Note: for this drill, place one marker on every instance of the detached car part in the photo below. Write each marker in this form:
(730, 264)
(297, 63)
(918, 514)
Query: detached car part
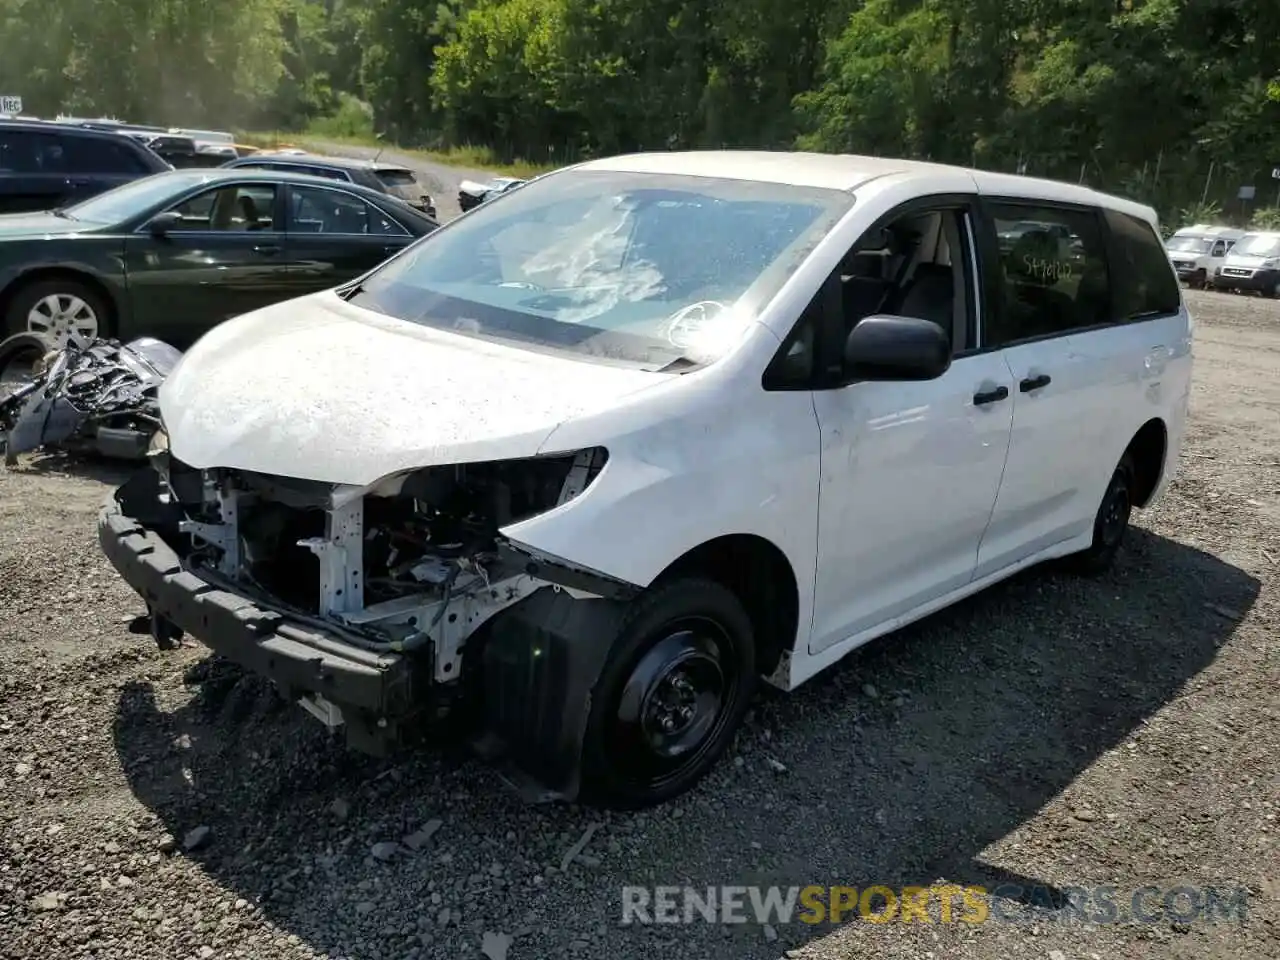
(472, 194)
(96, 396)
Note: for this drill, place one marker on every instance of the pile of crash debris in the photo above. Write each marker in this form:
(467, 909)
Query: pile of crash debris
(87, 396)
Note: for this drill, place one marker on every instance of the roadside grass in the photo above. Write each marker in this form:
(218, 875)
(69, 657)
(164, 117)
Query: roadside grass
(475, 156)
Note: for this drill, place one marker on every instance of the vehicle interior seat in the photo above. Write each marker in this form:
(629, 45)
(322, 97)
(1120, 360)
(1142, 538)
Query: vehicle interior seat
(348, 218)
(930, 295)
(249, 213)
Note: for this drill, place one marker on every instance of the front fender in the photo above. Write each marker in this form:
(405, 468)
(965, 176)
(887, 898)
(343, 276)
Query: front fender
(663, 492)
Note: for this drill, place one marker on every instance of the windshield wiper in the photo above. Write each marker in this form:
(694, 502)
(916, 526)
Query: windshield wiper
(62, 212)
(348, 292)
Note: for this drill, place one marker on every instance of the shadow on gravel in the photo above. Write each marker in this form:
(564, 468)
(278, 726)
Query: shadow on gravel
(903, 764)
(112, 472)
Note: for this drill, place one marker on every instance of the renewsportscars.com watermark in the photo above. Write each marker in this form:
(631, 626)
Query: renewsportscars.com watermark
(937, 903)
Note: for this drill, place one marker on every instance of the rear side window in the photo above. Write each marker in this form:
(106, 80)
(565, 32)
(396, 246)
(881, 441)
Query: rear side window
(100, 155)
(327, 172)
(335, 212)
(27, 151)
(1053, 271)
(1145, 285)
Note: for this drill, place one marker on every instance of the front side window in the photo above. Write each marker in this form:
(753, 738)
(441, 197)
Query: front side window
(641, 268)
(316, 210)
(1144, 282)
(234, 208)
(1219, 249)
(1053, 272)
(914, 266)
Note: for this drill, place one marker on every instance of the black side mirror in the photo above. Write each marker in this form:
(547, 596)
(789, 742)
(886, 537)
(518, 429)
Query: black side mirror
(885, 347)
(162, 223)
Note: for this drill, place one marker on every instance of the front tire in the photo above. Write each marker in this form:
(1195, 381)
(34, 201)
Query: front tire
(1110, 522)
(672, 694)
(55, 308)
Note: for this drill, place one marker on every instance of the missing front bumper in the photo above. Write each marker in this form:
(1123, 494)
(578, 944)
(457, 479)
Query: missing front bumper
(531, 665)
(377, 693)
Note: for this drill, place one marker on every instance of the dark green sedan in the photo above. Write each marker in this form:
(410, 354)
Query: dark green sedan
(174, 254)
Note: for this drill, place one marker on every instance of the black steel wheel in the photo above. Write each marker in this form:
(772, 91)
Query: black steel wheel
(671, 696)
(1111, 521)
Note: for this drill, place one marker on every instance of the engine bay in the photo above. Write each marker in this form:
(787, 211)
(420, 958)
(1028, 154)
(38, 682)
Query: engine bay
(416, 563)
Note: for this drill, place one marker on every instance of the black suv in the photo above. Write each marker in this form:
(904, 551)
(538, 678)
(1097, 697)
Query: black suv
(388, 178)
(47, 165)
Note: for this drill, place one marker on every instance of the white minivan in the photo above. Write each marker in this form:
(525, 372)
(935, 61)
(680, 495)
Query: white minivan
(1252, 265)
(1197, 252)
(592, 461)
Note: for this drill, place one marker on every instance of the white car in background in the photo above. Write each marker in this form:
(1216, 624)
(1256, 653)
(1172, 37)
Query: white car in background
(1197, 252)
(1252, 265)
(212, 143)
(596, 459)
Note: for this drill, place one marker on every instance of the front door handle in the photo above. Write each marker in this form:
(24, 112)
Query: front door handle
(990, 396)
(267, 249)
(1034, 383)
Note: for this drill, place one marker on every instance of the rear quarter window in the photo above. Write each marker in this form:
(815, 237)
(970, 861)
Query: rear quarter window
(397, 178)
(1143, 283)
(329, 173)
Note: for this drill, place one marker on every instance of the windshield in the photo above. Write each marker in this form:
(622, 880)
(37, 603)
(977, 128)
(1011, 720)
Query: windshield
(1188, 244)
(1258, 245)
(639, 268)
(134, 197)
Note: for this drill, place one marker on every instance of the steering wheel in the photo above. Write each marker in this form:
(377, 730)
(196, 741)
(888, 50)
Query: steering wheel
(689, 319)
(523, 285)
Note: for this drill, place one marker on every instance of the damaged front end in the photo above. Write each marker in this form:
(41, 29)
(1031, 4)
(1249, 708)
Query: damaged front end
(377, 607)
(96, 396)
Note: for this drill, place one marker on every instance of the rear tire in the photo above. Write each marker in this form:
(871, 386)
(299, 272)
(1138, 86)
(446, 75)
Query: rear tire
(1110, 522)
(672, 694)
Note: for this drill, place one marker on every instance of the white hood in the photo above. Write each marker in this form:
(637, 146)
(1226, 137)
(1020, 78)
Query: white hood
(318, 389)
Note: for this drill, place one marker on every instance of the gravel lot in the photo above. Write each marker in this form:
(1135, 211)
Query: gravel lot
(1051, 730)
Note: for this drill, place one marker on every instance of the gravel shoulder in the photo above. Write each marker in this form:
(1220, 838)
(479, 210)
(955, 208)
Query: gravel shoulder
(1051, 730)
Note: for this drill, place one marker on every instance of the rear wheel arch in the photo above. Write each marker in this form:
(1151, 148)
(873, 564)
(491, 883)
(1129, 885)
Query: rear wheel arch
(1148, 451)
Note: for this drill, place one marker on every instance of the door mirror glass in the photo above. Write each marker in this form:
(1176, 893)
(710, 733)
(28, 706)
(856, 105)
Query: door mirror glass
(162, 223)
(883, 347)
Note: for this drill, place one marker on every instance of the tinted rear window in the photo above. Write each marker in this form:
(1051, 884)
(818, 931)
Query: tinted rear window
(397, 178)
(1143, 283)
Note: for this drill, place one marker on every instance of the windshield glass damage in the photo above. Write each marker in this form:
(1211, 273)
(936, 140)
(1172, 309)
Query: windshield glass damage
(642, 268)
